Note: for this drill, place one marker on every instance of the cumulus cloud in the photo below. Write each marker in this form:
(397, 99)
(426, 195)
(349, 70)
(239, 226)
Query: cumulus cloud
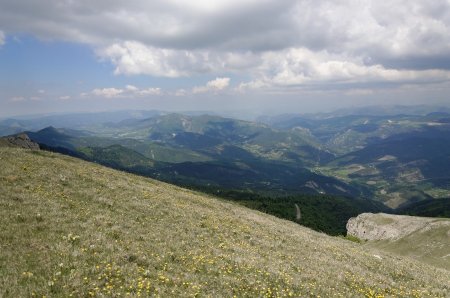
(149, 91)
(176, 24)
(303, 67)
(253, 85)
(275, 43)
(107, 92)
(133, 58)
(64, 97)
(218, 83)
(131, 88)
(213, 86)
(128, 91)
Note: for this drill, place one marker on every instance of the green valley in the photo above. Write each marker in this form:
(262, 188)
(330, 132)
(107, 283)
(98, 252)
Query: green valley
(396, 159)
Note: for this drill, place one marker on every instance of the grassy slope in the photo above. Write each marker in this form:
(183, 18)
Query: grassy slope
(5, 143)
(323, 213)
(422, 238)
(72, 227)
(429, 244)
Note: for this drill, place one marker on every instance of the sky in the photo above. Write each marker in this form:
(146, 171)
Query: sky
(256, 55)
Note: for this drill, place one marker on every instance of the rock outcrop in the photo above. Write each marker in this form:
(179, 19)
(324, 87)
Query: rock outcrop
(20, 140)
(381, 226)
(422, 238)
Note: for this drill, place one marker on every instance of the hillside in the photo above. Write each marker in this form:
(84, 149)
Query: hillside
(75, 228)
(401, 169)
(218, 164)
(423, 238)
(397, 159)
(323, 213)
(433, 208)
(208, 135)
(351, 132)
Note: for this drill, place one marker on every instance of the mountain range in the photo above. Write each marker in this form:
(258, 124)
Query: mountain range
(398, 159)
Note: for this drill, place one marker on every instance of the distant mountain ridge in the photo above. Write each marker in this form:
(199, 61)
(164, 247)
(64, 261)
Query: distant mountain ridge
(231, 167)
(398, 159)
(72, 120)
(414, 162)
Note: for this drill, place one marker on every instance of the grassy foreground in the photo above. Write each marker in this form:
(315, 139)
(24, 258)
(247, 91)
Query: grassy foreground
(70, 227)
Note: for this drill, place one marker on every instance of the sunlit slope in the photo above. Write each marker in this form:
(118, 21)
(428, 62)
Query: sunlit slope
(423, 238)
(72, 227)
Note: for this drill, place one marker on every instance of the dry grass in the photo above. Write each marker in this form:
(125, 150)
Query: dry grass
(74, 228)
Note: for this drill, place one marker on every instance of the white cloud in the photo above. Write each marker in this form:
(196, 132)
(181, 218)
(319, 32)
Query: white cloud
(131, 88)
(274, 43)
(212, 86)
(377, 29)
(41, 91)
(2, 38)
(303, 67)
(200, 89)
(218, 83)
(291, 66)
(181, 92)
(107, 92)
(176, 24)
(65, 97)
(252, 85)
(131, 58)
(128, 92)
(134, 58)
(135, 91)
(149, 91)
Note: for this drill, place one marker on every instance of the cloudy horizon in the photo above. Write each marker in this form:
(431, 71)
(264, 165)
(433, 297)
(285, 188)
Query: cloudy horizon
(62, 56)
